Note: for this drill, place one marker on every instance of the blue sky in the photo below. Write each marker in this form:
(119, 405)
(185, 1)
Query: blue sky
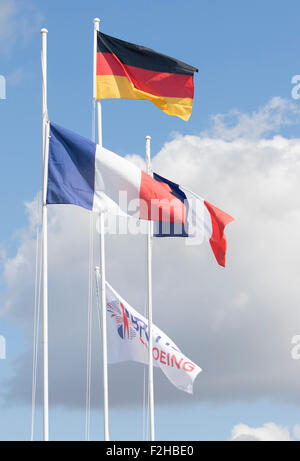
(247, 52)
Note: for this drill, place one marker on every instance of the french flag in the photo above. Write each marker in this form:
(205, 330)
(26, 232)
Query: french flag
(203, 221)
(85, 174)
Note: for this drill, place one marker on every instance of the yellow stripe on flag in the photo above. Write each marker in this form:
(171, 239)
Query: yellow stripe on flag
(114, 87)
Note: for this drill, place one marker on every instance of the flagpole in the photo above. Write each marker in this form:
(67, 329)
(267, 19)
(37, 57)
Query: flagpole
(45, 138)
(149, 293)
(102, 253)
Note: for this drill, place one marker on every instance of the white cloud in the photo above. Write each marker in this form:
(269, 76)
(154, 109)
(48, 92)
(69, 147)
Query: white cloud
(241, 300)
(236, 323)
(296, 431)
(269, 118)
(19, 20)
(269, 432)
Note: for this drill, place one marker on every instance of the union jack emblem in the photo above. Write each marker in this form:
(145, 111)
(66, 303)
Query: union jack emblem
(125, 326)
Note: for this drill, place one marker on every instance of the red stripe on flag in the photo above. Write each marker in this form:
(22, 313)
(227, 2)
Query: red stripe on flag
(218, 243)
(157, 203)
(157, 83)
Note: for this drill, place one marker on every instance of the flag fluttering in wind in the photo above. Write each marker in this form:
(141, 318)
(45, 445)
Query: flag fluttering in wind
(126, 70)
(83, 173)
(127, 338)
(203, 220)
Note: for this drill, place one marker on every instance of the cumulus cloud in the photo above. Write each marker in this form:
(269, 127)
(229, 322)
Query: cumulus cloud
(236, 323)
(19, 20)
(297, 431)
(269, 432)
(267, 119)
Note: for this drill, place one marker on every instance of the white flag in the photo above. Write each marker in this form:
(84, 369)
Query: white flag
(127, 337)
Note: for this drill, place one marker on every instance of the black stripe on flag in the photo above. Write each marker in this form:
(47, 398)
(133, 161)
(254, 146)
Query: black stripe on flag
(140, 56)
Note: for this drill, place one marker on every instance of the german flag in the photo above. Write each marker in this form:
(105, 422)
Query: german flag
(126, 70)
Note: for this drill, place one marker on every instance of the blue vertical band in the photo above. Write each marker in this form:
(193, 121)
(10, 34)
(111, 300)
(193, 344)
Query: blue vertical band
(71, 168)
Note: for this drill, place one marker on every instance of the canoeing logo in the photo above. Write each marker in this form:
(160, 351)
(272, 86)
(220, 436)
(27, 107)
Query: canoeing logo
(125, 326)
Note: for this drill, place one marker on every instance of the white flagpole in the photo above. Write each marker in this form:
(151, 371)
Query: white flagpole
(45, 139)
(149, 293)
(102, 256)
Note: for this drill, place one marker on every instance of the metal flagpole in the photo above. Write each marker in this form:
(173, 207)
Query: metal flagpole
(149, 293)
(102, 255)
(45, 139)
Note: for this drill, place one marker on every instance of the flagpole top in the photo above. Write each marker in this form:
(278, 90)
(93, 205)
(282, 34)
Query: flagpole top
(96, 21)
(44, 31)
(148, 138)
